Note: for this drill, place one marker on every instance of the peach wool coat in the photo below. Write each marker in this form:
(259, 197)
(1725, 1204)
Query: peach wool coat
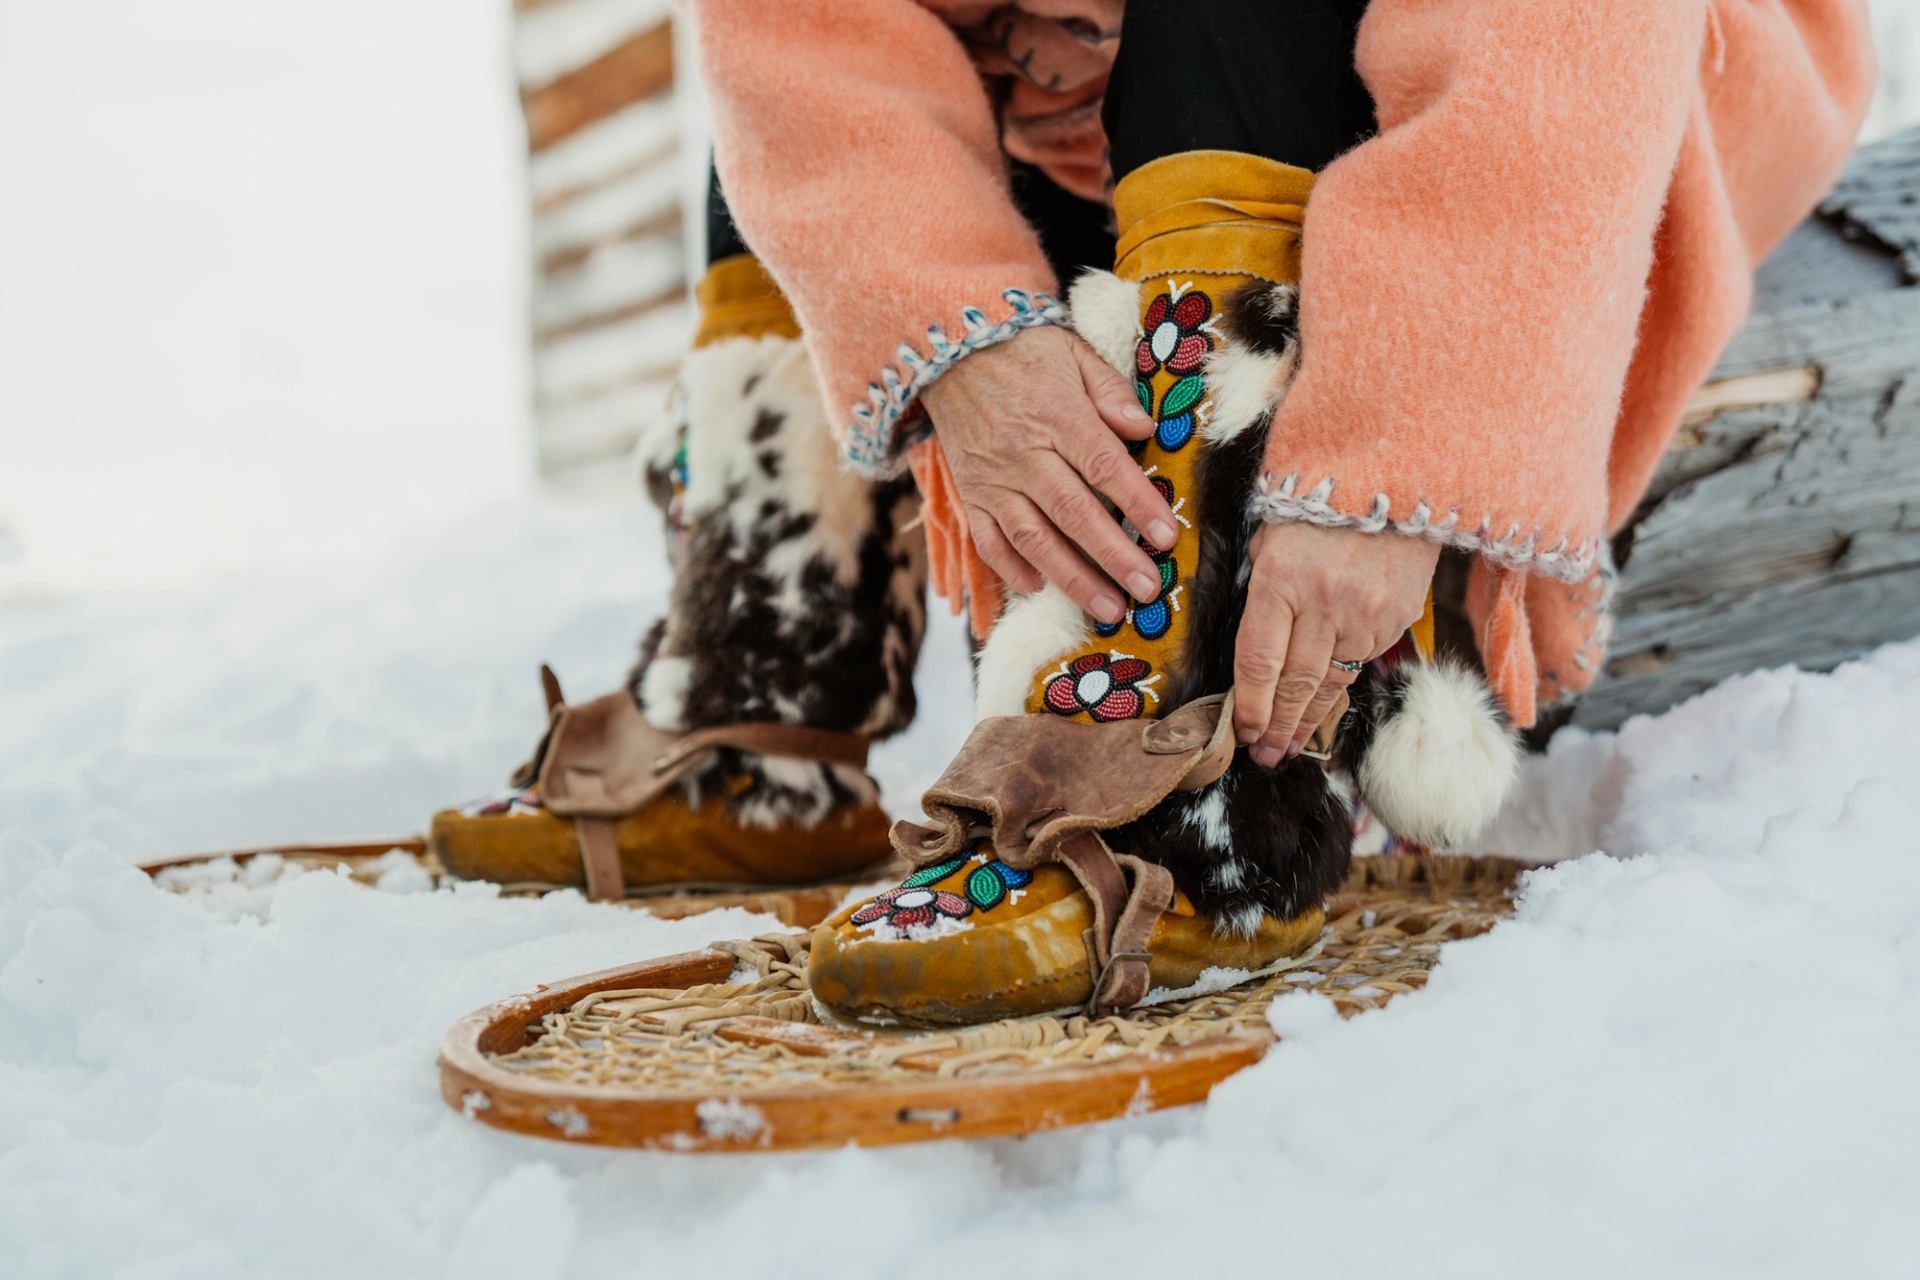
(1507, 294)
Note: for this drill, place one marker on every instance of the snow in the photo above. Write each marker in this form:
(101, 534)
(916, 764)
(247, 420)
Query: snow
(1690, 1057)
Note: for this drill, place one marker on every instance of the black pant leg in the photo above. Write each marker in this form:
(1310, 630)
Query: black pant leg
(1075, 234)
(723, 237)
(1263, 77)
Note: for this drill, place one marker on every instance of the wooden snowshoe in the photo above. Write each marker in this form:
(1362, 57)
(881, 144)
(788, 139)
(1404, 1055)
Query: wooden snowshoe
(799, 907)
(598, 807)
(726, 1049)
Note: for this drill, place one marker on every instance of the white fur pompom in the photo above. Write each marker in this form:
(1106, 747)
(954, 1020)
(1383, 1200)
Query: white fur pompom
(1440, 766)
(1106, 313)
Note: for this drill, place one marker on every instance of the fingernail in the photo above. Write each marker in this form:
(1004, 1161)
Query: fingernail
(1293, 748)
(1264, 756)
(1162, 533)
(1108, 608)
(1136, 412)
(1247, 734)
(1144, 586)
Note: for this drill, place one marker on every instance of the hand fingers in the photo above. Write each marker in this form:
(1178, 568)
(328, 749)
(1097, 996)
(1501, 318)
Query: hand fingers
(1000, 555)
(1338, 678)
(1309, 660)
(1063, 495)
(1259, 654)
(1104, 463)
(1113, 396)
(1035, 540)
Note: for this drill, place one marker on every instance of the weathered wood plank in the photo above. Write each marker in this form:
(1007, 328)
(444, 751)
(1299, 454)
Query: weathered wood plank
(1879, 196)
(1784, 524)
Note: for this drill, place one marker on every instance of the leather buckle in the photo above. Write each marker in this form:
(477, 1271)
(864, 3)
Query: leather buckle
(1100, 984)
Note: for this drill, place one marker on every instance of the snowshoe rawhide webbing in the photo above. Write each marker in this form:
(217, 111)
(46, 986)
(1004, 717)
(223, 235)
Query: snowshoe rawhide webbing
(600, 761)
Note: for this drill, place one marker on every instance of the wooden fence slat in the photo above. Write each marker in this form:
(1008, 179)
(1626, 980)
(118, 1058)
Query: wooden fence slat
(637, 68)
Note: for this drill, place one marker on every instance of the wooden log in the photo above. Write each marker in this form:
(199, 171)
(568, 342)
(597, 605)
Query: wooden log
(1784, 524)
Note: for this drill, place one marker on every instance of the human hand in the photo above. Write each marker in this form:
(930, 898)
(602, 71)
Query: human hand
(1033, 430)
(1316, 595)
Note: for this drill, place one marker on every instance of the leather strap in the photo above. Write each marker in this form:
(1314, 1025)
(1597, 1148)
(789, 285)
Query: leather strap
(1327, 734)
(771, 739)
(600, 857)
(1123, 918)
(1032, 781)
(600, 760)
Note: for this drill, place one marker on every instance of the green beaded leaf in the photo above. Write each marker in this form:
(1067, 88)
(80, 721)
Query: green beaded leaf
(985, 888)
(1145, 392)
(927, 875)
(1169, 574)
(1182, 395)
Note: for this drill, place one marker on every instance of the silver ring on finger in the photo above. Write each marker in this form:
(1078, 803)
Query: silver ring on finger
(1350, 667)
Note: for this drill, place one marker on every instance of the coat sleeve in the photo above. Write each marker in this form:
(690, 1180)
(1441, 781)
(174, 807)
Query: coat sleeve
(860, 157)
(1473, 275)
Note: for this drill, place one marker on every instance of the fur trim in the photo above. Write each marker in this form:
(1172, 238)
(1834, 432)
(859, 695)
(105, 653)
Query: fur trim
(659, 441)
(1033, 631)
(1258, 841)
(1248, 374)
(787, 792)
(1431, 751)
(799, 595)
(1106, 315)
(662, 691)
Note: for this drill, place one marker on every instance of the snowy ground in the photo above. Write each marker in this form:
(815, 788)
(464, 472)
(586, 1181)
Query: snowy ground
(1693, 1058)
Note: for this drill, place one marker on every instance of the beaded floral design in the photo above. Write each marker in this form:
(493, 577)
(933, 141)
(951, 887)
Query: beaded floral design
(1107, 686)
(911, 905)
(918, 902)
(1177, 335)
(989, 883)
(1154, 618)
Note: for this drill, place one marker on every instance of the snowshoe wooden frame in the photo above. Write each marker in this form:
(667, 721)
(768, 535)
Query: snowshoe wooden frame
(1387, 928)
(797, 906)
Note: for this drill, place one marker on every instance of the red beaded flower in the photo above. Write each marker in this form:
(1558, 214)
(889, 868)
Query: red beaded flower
(1105, 686)
(910, 905)
(1171, 336)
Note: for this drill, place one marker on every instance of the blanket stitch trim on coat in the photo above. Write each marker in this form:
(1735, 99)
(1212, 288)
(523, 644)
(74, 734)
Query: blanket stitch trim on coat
(1282, 502)
(871, 446)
